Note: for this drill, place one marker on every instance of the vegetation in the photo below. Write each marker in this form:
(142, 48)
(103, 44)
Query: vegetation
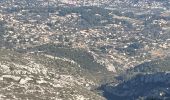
(88, 15)
(81, 57)
(45, 77)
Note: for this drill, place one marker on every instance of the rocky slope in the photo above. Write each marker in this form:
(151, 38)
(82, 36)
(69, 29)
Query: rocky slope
(148, 81)
(43, 77)
(141, 87)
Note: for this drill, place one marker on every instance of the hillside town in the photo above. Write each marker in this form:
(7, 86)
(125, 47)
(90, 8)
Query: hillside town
(116, 35)
(121, 41)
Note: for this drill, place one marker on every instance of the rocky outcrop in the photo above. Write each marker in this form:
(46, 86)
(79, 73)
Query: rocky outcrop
(37, 77)
(141, 86)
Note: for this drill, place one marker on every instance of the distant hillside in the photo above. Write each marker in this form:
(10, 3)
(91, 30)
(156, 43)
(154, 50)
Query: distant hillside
(159, 65)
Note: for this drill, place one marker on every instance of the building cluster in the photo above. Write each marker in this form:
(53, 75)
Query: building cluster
(125, 42)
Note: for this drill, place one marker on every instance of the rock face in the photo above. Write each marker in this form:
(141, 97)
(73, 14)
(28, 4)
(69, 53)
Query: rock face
(28, 77)
(141, 86)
